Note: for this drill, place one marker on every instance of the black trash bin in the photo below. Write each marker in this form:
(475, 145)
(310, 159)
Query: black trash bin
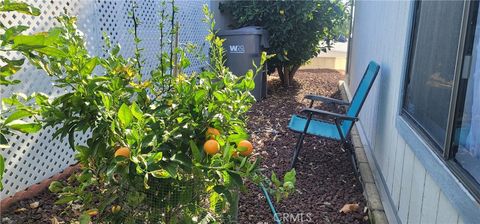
(243, 47)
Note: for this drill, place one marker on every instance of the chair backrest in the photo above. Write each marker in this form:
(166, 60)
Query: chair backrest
(360, 95)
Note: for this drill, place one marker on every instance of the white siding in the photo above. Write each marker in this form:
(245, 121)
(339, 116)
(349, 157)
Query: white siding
(381, 34)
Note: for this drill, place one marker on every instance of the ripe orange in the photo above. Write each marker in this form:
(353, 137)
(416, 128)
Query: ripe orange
(212, 132)
(123, 151)
(246, 144)
(211, 147)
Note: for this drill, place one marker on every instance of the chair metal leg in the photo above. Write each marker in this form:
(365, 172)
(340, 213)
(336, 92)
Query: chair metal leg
(349, 147)
(298, 146)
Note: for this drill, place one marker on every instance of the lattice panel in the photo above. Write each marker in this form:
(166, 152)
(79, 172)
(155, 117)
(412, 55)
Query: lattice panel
(33, 158)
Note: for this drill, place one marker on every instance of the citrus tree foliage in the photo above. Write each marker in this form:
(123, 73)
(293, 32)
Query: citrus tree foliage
(143, 159)
(15, 110)
(299, 30)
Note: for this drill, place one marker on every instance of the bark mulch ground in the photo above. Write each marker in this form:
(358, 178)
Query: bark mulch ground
(325, 176)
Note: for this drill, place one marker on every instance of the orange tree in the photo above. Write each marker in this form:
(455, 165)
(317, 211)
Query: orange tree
(16, 110)
(143, 158)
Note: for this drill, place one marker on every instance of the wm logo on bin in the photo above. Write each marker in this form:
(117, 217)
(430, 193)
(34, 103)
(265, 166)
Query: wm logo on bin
(237, 49)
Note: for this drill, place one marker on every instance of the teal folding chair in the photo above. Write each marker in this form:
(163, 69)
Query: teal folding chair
(342, 124)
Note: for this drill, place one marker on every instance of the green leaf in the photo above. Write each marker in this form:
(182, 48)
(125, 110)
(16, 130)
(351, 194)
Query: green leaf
(18, 62)
(2, 170)
(136, 111)
(220, 96)
(145, 181)
(157, 157)
(8, 70)
(3, 142)
(197, 156)
(223, 190)
(106, 100)
(89, 66)
(29, 42)
(12, 32)
(84, 219)
(182, 159)
(65, 199)
(19, 114)
(215, 201)
(243, 162)
(51, 51)
(227, 153)
(24, 127)
(171, 168)
(116, 49)
(71, 137)
(290, 176)
(237, 179)
(275, 180)
(125, 115)
(55, 187)
(237, 137)
(200, 94)
(20, 7)
(161, 173)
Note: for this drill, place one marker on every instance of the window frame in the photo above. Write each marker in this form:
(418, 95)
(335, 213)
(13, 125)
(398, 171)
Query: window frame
(445, 152)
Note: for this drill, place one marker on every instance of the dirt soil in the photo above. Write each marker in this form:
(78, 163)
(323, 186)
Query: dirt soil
(325, 176)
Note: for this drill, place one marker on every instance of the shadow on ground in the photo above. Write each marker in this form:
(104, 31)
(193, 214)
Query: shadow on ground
(325, 177)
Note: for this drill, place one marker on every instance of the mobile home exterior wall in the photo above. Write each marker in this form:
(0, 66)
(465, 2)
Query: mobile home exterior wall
(411, 192)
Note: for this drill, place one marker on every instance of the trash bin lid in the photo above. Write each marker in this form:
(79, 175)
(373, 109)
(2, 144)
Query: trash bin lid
(248, 30)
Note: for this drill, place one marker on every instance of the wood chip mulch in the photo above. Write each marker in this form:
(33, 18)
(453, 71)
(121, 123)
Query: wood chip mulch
(325, 176)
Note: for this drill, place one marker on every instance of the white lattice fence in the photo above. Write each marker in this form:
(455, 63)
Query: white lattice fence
(33, 158)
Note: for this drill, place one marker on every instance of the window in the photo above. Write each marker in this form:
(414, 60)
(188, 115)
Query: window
(432, 65)
(442, 85)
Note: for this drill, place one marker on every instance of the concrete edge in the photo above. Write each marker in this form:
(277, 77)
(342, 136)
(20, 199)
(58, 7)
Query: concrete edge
(37, 188)
(376, 210)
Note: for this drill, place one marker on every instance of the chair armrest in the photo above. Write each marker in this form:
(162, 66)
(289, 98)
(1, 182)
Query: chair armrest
(331, 114)
(325, 99)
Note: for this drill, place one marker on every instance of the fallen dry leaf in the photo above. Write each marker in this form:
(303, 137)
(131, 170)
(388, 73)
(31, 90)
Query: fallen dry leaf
(20, 210)
(365, 218)
(34, 205)
(54, 220)
(347, 208)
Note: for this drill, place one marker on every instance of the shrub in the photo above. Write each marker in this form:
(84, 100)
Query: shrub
(299, 30)
(16, 110)
(143, 158)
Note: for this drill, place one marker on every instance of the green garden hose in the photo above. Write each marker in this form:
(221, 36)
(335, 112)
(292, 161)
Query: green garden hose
(270, 204)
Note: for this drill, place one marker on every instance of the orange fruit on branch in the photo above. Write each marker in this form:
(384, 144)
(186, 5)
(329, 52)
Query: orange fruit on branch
(212, 132)
(211, 147)
(123, 152)
(245, 144)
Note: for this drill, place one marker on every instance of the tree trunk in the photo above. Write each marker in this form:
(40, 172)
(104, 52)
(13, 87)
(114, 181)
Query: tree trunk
(281, 74)
(292, 73)
(286, 74)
